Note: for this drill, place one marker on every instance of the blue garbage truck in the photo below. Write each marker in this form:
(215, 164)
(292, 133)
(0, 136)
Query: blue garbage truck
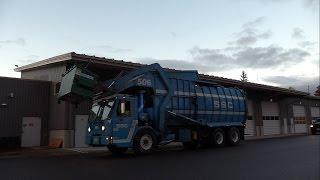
(152, 106)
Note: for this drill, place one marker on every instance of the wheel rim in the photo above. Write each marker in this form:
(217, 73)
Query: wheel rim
(146, 142)
(219, 138)
(234, 136)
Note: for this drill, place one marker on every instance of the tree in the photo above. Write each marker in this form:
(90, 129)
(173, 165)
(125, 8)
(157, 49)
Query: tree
(317, 93)
(291, 88)
(244, 77)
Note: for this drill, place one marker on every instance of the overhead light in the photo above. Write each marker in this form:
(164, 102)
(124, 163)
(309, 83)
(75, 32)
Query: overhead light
(103, 128)
(89, 129)
(271, 99)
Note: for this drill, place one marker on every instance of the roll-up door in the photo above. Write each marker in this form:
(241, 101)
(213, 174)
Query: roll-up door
(250, 125)
(299, 116)
(270, 116)
(315, 113)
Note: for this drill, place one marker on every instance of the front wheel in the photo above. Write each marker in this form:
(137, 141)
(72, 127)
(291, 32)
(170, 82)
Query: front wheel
(144, 141)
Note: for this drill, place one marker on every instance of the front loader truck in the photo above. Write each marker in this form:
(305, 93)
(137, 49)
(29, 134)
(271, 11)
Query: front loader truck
(152, 106)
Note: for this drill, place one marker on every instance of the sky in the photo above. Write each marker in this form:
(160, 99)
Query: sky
(276, 42)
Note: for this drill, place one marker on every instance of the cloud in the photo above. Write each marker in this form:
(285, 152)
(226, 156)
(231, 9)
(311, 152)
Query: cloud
(298, 83)
(311, 4)
(297, 33)
(249, 33)
(307, 44)
(269, 57)
(29, 59)
(19, 41)
(114, 49)
(216, 60)
(173, 34)
(240, 53)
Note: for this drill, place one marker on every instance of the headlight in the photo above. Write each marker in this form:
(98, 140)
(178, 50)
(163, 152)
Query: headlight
(103, 128)
(89, 129)
(311, 125)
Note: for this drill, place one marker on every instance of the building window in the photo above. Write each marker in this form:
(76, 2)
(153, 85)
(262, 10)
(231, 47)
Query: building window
(124, 109)
(300, 120)
(270, 117)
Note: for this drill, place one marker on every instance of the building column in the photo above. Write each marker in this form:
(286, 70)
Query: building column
(257, 116)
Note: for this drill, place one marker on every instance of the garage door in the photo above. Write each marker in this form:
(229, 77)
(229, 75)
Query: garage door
(299, 117)
(270, 116)
(315, 112)
(250, 125)
(80, 131)
(31, 131)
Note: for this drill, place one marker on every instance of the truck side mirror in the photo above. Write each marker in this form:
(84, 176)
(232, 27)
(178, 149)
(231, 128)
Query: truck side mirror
(122, 107)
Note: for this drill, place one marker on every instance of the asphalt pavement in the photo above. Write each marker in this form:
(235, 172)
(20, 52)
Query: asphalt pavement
(292, 158)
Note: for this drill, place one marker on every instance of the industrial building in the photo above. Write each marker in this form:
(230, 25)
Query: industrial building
(271, 110)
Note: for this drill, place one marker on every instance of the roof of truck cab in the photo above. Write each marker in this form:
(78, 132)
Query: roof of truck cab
(75, 57)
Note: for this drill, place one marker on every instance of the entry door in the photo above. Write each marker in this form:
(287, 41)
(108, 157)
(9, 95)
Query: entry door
(80, 131)
(31, 131)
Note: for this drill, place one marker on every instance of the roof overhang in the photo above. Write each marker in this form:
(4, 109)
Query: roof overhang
(74, 57)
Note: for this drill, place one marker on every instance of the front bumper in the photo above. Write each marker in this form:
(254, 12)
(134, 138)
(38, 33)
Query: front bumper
(315, 128)
(98, 140)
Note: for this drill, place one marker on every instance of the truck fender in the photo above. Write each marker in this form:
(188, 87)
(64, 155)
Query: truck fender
(145, 127)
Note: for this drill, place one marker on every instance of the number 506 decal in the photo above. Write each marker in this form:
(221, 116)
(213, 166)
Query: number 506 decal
(144, 82)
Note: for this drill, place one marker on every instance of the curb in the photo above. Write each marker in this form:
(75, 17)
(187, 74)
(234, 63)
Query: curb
(273, 137)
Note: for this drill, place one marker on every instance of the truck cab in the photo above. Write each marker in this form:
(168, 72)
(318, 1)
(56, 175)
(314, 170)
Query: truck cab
(113, 122)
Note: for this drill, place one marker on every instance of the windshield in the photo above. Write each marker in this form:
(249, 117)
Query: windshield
(101, 111)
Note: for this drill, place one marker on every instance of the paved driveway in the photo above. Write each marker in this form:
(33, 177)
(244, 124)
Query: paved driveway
(284, 158)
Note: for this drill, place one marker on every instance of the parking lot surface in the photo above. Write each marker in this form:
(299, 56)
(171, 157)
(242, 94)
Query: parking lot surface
(282, 158)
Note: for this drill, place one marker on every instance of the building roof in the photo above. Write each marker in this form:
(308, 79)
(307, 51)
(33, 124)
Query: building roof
(72, 56)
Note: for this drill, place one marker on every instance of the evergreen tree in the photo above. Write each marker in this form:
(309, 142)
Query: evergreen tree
(244, 77)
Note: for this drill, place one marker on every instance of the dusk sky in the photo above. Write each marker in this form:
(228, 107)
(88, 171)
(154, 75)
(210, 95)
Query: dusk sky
(275, 42)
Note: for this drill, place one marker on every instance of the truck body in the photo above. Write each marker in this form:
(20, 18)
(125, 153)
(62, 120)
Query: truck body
(152, 106)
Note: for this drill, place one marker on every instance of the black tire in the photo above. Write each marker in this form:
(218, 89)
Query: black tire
(190, 145)
(218, 137)
(116, 150)
(233, 136)
(144, 142)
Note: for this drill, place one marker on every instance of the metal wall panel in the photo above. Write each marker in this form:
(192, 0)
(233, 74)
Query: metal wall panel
(23, 98)
(60, 118)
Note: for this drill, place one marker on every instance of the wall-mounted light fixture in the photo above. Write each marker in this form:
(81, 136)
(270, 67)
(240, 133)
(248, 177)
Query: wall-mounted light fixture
(3, 105)
(11, 95)
(271, 99)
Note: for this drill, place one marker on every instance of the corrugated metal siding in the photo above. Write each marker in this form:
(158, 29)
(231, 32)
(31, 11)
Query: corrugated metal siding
(31, 98)
(59, 114)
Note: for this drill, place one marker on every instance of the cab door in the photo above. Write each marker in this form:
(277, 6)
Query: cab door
(125, 123)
